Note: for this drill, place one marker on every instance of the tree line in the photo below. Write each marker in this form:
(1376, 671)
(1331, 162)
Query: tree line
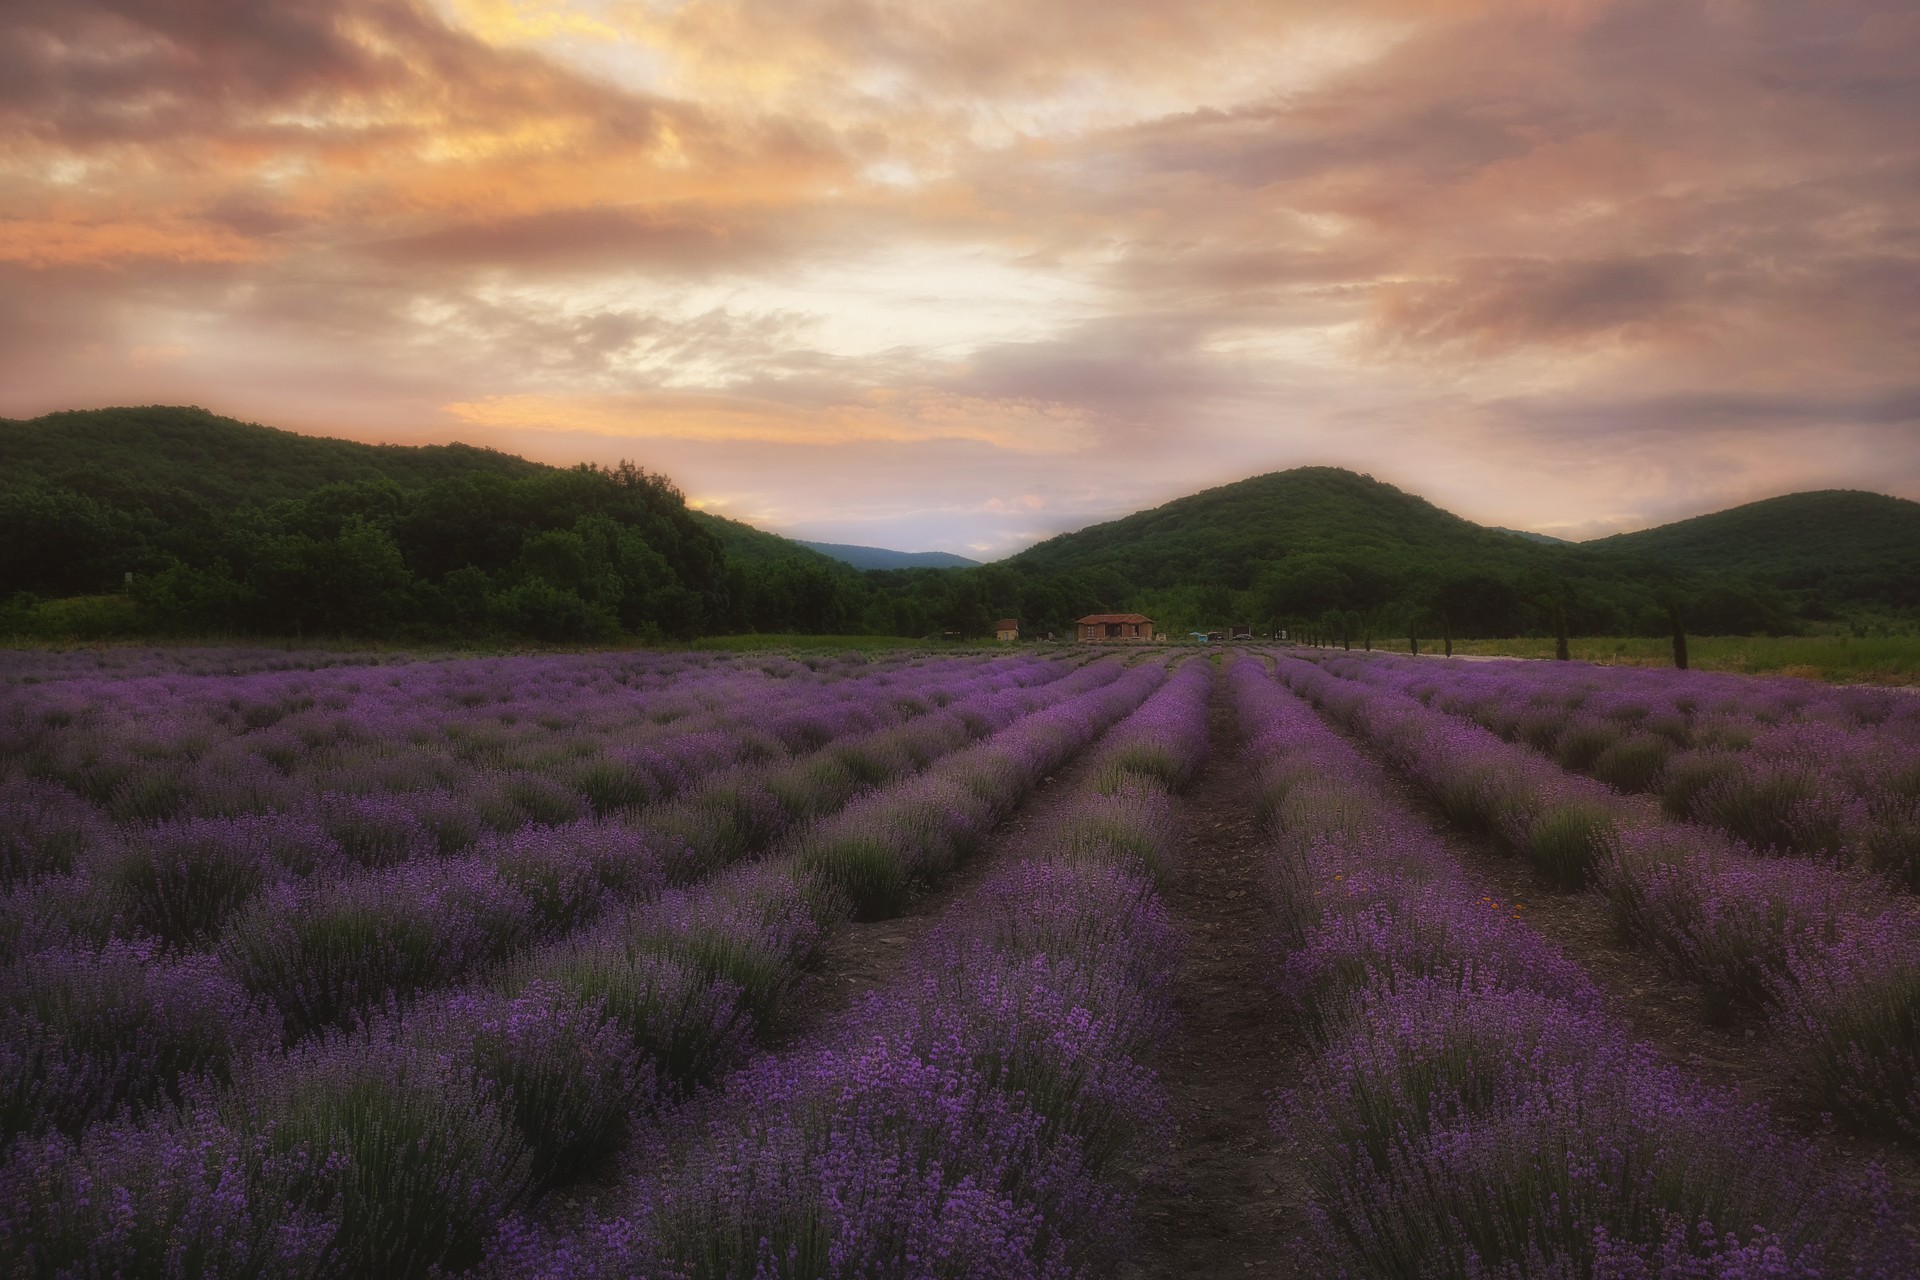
(595, 554)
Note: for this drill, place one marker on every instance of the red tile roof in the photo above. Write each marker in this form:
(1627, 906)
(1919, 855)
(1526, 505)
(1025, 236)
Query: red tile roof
(1095, 619)
(1007, 624)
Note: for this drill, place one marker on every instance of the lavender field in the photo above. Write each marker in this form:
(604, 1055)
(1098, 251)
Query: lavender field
(907, 965)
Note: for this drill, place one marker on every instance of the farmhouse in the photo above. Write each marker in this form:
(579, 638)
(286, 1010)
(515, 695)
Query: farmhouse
(1132, 628)
(1007, 630)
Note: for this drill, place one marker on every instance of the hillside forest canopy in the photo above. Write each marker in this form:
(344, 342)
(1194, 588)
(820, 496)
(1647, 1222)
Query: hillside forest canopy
(174, 521)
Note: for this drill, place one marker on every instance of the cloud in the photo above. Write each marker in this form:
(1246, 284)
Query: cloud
(1500, 303)
(911, 416)
(869, 266)
(675, 241)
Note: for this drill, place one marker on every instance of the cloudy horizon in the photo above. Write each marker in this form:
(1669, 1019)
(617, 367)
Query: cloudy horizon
(959, 276)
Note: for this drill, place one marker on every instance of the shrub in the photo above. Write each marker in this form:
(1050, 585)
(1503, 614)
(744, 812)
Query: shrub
(1568, 839)
(180, 881)
(564, 1074)
(1455, 1133)
(1634, 763)
(326, 953)
(685, 1024)
(92, 1034)
(1583, 742)
(1773, 805)
(375, 830)
(869, 1162)
(169, 1201)
(1131, 828)
(1855, 1011)
(394, 1145)
(1720, 916)
(884, 847)
(1691, 773)
(44, 830)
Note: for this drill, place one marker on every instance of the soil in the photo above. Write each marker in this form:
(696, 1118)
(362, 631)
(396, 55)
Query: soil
(1231, 1200)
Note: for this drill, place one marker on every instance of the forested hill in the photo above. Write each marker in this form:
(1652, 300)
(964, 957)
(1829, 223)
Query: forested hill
(1326, 546)
(1224, 534)
(231, 526)
(142, 456)
(1836, 547)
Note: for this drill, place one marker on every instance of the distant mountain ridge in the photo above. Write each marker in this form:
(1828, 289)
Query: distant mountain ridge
(1531, 536)
(881, 558)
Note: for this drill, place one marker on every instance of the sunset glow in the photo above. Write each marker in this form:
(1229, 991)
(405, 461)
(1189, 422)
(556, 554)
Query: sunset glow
(961, 274)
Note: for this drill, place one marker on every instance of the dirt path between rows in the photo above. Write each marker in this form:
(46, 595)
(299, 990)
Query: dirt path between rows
(1231, 1201)
(864, 956)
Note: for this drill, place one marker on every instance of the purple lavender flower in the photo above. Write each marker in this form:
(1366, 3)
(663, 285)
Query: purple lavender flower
(86, 1035)
(392, 1144)
(170, 1201)
(324, 953)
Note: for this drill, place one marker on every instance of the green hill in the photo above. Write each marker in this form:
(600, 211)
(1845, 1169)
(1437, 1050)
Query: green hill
(1296, 545)
(232, 526)
(1833, 547)
(747, 545)
(188, 450)
(154, 450)
(1319, 541)
(1224, 535)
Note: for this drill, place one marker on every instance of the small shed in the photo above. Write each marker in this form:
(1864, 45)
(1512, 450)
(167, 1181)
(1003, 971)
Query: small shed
(1007, 630)
(1124, 628)
(1240, 631)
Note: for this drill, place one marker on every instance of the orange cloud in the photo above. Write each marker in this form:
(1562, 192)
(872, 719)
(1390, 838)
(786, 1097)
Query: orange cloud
(881, 415)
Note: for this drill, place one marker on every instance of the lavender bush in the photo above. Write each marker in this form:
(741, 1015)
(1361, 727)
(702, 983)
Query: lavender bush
(176, 1200)
(1785, 938)
(1474, 1112)
(411, 1165)
(324, 954)
(89, 1035)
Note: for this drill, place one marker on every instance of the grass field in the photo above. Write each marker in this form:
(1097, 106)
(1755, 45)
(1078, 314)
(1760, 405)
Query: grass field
(1842, 659)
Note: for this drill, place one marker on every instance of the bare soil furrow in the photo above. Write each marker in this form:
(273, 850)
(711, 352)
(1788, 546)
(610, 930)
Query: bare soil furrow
(1231, 1200)
(865, 955)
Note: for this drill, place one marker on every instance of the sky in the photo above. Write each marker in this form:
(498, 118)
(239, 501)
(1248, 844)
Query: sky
(962, 274)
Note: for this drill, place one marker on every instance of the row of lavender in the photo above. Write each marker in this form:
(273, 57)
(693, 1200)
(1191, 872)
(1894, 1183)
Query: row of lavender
(1829, 957)
(102, 1013)
(396, 1148)
(179, 881)
(41, 666)
(984, 1115)
(467, 745)
(1777, 764)
(92, 1028)
(1471, 1110)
